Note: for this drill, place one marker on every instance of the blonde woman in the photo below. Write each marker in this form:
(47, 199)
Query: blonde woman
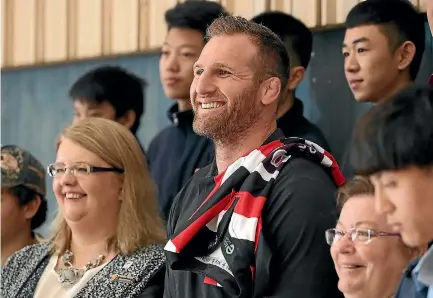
(108, 236)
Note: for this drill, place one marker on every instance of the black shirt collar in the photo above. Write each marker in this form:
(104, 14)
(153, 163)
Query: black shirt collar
(276, 135)
(179, 118)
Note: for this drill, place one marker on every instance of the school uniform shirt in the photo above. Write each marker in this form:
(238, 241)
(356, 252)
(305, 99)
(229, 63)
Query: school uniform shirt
(175, 154)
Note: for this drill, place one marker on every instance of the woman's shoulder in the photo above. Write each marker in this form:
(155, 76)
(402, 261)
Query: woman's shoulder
(30, 252)
(156, 250)
(150, 255)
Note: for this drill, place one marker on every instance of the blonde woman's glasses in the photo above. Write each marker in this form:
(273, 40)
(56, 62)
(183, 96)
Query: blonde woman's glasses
(57, 169)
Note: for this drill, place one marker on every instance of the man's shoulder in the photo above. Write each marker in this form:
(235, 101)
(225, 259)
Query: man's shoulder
(302, 183)
(188, 197)
(300, 169)
(162, 136)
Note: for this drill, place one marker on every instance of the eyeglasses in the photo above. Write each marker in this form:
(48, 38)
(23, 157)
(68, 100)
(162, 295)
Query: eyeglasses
(78, 169)
(358, 235)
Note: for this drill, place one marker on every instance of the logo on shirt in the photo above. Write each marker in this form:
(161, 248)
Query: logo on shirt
(279, 157)
(229, 246)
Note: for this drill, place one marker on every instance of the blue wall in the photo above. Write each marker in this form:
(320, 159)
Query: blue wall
(35, 106)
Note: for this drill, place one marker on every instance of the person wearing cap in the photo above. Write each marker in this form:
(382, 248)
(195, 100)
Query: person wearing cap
(23, 203)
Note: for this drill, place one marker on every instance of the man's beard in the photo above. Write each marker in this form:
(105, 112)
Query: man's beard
(233, 124)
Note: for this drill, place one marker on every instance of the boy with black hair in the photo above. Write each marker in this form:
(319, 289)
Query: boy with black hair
(23, 203)
(298, 40)
(393, 146)
(177, 152)
(383, 48)
(109, 92)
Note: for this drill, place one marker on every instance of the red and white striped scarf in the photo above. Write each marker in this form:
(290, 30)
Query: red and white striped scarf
(222, 237)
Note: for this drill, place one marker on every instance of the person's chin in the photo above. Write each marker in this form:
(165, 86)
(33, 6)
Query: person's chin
(349, 286)
(360, 97)
(414, 239)
(175, 94)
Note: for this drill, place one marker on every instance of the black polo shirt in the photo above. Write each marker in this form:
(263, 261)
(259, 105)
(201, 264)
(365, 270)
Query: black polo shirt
(294, 124)
(175, 154)
(300, 207)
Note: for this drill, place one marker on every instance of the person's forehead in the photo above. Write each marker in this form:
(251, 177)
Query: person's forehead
(367, 33)
(70, 152)
(237, 51)
(184, 38)
(92, 105)
(359, 211)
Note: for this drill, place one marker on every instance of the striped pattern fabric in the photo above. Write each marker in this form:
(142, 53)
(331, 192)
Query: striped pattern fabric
(222, 237)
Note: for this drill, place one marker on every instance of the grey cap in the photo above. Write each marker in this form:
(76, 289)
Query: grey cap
(20, 167)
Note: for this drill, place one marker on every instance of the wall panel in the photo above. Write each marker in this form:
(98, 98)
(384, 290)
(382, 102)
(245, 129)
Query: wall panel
(89, 28)
(124, 22)
(3, 48)
(157, 27)
(422, 4)
(23, 37)
(55, 30)
(283, 5)
(247, 9)
(48, 31)
(307, 11)
(343, 8)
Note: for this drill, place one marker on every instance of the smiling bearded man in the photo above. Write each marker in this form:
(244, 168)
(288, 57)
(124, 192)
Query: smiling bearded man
(260, 210)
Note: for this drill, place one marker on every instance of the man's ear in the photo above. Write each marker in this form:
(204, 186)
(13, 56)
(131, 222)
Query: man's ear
(297, 73)
(406, 54)
(128, 119)
(271, 90)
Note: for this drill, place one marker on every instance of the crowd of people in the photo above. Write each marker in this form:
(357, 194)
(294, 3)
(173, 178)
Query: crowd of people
(240, 196)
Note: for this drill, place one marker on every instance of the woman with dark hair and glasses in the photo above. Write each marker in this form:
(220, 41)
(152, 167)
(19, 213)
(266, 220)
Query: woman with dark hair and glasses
(369, 257)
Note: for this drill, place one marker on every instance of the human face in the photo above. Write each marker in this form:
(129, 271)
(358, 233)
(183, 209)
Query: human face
(85, 109)
(367, 269)
(13, 218)
(406, 198)
(89, 199)
(224, 90)
(371, 67)
(180, 50)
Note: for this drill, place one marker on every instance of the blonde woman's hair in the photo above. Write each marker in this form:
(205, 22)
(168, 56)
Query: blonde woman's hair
(138, 221)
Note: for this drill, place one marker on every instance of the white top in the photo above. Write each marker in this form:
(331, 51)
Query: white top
(50, 287)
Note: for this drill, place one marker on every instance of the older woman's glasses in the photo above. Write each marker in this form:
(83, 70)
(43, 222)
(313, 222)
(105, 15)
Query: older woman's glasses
(359, 235)
(57, 169)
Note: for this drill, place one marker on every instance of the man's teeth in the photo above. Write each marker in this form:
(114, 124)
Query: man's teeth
(74, 195)
(212, 105)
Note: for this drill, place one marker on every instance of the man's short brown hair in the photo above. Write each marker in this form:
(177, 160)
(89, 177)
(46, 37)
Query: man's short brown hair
(272, 52)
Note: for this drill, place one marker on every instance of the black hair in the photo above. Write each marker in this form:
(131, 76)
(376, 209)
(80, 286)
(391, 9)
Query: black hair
(400, 20)
(396, 134)
(196, 15)
(25, 195)
(297, 38)
(122, 89)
